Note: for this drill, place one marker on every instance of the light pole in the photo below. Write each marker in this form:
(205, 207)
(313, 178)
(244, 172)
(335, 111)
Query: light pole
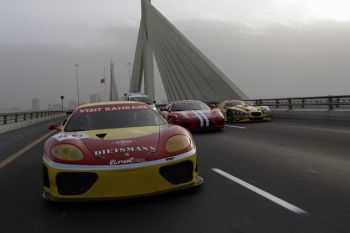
(62, 97)
(76, 76)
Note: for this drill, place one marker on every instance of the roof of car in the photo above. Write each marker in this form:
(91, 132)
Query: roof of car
(184, 101)
(110, 103)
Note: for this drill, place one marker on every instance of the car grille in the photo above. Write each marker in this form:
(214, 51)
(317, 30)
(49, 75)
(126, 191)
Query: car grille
(74, 183)
(178, 173)
(256, 114)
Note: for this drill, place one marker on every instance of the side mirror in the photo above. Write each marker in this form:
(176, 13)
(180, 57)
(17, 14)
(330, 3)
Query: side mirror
(154, 102)
(52, 126)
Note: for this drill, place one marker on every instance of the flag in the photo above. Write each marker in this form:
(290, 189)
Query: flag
(103, 80)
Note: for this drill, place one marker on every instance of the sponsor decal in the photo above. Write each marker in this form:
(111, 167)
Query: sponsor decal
(112, 108)
(203, 119)
(65, 136)
(126, 161)
(123, 142)
(103, 152)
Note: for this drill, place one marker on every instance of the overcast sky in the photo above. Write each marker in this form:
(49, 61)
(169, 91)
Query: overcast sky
(269, 48)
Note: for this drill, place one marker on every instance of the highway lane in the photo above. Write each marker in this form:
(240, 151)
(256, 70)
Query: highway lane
(11, 142)
(307, 166)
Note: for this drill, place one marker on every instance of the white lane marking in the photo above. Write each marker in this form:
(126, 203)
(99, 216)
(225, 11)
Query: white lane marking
(313, 171)
(205, 117)
(233, 126)
(14, 156)
(261, 192)
(199, 117)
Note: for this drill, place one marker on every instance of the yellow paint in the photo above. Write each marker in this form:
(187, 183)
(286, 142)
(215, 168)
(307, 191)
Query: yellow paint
(67, 152)
(122, 183)
(177, 143)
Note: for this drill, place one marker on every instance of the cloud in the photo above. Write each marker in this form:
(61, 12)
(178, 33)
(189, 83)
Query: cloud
(280, 60)
(276, 61)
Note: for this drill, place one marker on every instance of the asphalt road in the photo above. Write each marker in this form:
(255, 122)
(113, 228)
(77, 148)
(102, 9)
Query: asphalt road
(279, 177)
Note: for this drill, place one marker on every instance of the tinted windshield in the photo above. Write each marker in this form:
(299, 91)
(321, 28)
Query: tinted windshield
(189, 106)
(113, 119)
(143, 99)
(236, 102)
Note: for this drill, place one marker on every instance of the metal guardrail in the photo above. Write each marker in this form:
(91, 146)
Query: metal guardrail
(13, 117)
(329, 102)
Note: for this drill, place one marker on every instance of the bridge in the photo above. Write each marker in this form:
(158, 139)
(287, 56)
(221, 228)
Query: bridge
(279, 176)
(288, 175)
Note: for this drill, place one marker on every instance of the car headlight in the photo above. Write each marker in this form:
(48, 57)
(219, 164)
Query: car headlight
(239, 112)
(218, 114)
(67, 152)
(177, 143)
(265, 109)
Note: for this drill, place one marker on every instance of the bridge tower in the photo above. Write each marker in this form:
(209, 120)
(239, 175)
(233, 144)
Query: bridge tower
(185, 71)
(113, 93)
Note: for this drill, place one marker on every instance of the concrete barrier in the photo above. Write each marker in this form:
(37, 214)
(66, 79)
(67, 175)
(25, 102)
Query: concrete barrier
(336, 117)
(21, 124)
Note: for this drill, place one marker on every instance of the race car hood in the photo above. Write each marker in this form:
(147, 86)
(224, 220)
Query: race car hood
(246, 108)
(195, 114)
(116, 146)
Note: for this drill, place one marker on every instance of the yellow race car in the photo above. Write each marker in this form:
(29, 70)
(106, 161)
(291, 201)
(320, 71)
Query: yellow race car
(239, 111)
(117, 150)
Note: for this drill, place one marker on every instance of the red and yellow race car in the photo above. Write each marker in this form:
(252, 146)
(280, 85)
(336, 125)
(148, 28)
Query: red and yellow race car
(193, 115)
(117, 150)
(239, 111)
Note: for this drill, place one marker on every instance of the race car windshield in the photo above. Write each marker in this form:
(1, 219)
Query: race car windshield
(142, 99)
(113, 119)
(189, 106)
(236, 102)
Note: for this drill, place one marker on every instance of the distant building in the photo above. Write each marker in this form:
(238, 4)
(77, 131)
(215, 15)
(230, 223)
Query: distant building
(95, 98)
(35, 104)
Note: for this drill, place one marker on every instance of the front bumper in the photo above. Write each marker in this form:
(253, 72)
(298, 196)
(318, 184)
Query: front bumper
(194, 125)
(82, 182)
(252, 118)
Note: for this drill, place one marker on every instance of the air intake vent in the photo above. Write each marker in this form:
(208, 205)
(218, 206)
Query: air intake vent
(75, 183)
(178, 173)
(46, 179)
(101, 135)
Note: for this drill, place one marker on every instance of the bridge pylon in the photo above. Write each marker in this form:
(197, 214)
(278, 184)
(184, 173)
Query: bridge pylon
(185, 71)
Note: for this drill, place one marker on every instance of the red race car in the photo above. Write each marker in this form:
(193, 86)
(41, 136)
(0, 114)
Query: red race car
(117, 150)
(193, 115)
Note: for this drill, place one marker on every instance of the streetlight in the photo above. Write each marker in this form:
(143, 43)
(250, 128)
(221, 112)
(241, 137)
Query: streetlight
(76, 76)
(62, 97)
